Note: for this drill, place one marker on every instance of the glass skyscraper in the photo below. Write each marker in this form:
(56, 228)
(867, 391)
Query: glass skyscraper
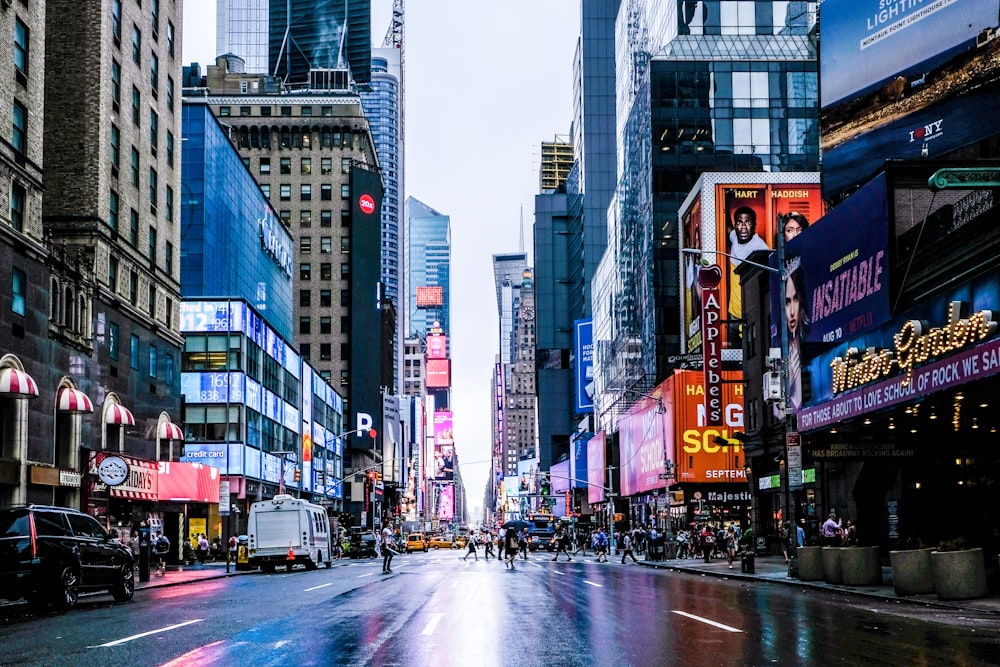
(427, 249)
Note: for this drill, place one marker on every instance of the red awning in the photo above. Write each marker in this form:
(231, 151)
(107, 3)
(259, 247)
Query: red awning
(14, 382)
(74, 400)
(119, 415)
(170, 431)
(188, 482)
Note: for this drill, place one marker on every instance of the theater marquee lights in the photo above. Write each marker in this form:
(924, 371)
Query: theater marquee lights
(914, 344)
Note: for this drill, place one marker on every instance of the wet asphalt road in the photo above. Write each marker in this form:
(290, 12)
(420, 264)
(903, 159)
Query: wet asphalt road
(436, 609)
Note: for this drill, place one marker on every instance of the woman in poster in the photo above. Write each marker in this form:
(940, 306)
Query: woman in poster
(796, 321)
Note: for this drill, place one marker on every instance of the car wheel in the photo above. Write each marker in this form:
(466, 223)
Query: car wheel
(124, 588)
(68, 592)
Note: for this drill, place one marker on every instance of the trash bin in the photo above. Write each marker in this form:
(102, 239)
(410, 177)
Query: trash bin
(747, 564)
(243, 552)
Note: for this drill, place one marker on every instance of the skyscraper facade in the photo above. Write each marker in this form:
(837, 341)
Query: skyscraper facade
(241, 28)
(320, 34)
(427, 262)
(700, 87)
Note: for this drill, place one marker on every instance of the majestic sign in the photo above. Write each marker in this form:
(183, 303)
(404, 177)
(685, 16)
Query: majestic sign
(272, 244)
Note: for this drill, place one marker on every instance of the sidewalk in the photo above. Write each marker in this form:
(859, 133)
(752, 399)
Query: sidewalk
(774, 569)
(177, 575)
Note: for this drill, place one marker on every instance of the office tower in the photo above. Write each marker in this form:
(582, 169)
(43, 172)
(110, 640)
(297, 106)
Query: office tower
(509, 271)
(521, 394)
(322, 34)
(241, 28)
(427, 262)
(557, 160)
(701, 87)
(383, 105)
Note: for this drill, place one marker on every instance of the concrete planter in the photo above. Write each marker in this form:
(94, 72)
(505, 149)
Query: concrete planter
(810, 563)
(912, 573)
(959, 575)
(832, 572)
(860, 566)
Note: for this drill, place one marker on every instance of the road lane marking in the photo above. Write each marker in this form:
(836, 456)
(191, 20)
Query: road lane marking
(124, 640)
(362, 576)
(317, 587)
(561, 574)
(592, 583)
(716, 624)
(431, 624)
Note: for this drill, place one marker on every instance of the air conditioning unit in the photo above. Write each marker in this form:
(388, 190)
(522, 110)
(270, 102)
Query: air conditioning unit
(772, 386)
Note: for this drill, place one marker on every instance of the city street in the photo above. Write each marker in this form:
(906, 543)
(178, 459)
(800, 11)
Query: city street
(436, 608)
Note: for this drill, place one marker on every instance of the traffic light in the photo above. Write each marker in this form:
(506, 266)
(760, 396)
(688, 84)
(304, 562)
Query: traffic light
(297, 476)
(546, 487)
(619, 517)
(371, 475)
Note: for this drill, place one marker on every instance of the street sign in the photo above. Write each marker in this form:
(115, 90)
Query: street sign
(666, 475)
(793, 447)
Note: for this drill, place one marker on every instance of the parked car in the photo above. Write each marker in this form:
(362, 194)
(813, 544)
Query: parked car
(362, 545)
(49, 555)
(416, 542)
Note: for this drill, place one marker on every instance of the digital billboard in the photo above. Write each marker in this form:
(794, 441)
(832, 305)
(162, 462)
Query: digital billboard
(729, 216)
(430, 296)
(438, 373)
(444, 447)
(584, 365)
(437, 346)
(903, 80)
(446, 502)
(642, 438)
(596, 473)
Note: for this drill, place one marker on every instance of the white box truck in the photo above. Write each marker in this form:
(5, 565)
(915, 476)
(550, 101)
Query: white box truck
(286, 530)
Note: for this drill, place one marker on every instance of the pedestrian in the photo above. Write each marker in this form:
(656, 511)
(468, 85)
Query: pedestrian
(387, 550)
(231, 549)
(522, 543)
(784, 535)
(832, 531)
(562, 542)
(800, 536)
(472, 548)
(730, 541)
(707, 542)
(627, 549)
(851, 534)
(510, 547)
(203, 548)
(161, 547)
(581, 543)
(601, 548)
(488, 545)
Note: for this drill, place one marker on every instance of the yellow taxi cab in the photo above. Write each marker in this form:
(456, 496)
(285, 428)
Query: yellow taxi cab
(441, 542)
(461, 541)
(416, 542)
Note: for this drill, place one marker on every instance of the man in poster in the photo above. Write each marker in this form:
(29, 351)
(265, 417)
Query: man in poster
(743, 241)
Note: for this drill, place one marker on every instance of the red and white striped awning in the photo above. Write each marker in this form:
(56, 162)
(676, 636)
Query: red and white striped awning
(74, 400)
(170, 431)
(14, 382)
(119, 415)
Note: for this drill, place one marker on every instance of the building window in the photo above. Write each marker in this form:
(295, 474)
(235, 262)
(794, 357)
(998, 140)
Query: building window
(345, 270)
(155, 17)
(305, 325)
(306, 165)
(345, 165)
(345, 218)
(345, 244)
(18, 203)
(168, 368)
(305, 192)
(305, 271)
(286, 216)
(286, 111)
(305, 298)
(21, 36)
(326, 271)
(285, 165)
(265, 188)
(326, 244)
(136, 103)
(265, 165)
(326, 165)
(305, 244)
(116, 138)
(169, 213)
(153, 180)
(18, 287)
(345, 191)
(134, 166)
(113, 274)
(113, 335)
(285, 192)
(168, 264)
(152, 244)
(170, 92)
(325, 298)
(170, 148)
(133, 228)
(325, 351)
(136, 44)
(116, 21)
(326, 218)
(244, 111)
(305, 218)
(116, 84)
(133, 351)
(19, 133)
(224, 111)
(152, 301)
(154, 131)
(326, 192)
(133, 288)
(305, 350)
(325, 325)
(170, 38)
(154, 73)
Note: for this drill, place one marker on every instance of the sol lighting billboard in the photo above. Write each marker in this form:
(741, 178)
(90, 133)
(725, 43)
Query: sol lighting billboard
(438, 372)
(902, 79)
(444, 447)
(430, 296)
(728, 217)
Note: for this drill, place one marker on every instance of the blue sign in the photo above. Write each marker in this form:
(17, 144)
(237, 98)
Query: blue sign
(212, 387)
(211, 316)
(584, 363)
(212, 454)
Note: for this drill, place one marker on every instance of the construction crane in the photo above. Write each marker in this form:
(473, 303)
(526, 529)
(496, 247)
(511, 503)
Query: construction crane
(394, 35)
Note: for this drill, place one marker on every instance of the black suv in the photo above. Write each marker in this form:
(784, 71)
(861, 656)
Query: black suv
(48, 555)
(363, 545)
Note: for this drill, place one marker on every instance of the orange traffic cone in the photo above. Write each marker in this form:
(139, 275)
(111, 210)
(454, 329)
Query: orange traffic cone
(291, 554)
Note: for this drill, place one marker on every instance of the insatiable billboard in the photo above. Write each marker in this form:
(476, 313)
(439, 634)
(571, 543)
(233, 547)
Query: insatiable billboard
(444, 447)
(903, 78)
(641, 436)
(583, 339)
(728, 217)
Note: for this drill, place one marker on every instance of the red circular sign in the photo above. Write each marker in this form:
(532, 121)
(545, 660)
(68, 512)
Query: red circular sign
(366, 204)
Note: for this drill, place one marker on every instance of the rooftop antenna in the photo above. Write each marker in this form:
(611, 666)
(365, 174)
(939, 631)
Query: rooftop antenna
(520, 245)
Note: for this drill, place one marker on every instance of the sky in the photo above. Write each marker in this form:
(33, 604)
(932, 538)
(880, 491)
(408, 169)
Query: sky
(486, 83)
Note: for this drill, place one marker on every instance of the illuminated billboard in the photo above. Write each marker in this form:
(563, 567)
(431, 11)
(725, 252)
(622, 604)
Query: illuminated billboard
(430, 296)
(444, 447)
(729, 216)
(437, 346)
(596, 472)
(903, 80)
(584, 365)
(438, 374)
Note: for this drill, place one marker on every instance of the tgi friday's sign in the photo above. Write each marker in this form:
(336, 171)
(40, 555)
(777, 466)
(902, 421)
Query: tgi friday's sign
(124, 476)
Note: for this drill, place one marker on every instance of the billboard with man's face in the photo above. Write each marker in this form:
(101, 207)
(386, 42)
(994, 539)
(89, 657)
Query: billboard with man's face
(732, 216)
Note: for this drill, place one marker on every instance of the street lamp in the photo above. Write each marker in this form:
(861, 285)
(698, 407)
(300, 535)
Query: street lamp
(792, 449)
(281, 475)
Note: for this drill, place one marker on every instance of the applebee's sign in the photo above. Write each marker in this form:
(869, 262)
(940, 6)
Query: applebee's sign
(709, 278)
